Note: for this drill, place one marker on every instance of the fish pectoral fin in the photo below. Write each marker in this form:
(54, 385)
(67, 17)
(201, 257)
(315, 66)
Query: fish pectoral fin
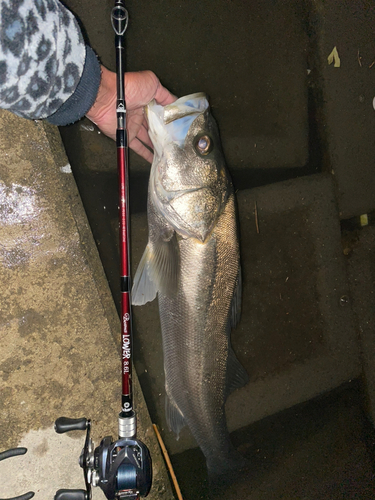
(157, 271)
(164, 267)
(144, 288)
(236, 302)
(236, 374)
(175, 418)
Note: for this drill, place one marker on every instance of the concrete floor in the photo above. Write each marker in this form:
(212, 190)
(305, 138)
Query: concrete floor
(306, 335)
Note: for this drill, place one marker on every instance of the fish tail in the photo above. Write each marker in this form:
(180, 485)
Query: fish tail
(223, 469)
(222, 475)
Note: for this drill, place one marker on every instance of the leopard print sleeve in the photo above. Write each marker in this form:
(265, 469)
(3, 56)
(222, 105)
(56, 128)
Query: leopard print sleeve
(43, 62)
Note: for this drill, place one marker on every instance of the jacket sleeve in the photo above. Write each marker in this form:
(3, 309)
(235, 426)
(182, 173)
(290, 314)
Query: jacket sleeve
(46, 70)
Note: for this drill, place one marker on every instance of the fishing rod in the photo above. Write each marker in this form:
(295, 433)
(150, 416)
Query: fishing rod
(121, 468)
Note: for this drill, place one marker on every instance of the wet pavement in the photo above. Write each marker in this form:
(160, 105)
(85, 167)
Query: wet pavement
(306, 335)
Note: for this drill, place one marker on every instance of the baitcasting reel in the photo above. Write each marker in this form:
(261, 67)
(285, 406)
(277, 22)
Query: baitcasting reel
(122, 468)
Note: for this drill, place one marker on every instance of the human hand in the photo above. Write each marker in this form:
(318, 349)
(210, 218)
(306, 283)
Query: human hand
(140, 88)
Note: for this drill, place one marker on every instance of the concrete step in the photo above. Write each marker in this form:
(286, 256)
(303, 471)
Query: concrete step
(320, 450)
(297, 335)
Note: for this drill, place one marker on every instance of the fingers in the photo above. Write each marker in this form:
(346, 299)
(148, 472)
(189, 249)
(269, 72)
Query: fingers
(163, 96)
(143, 86)
(141, 149)
(144, 137)
(137, 127)
(140, 88)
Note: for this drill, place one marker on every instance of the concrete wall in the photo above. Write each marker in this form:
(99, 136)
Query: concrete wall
(58, 324)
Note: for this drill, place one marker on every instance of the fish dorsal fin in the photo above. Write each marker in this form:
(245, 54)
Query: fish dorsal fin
(236, 302)
(157, 271)
(175, 418)
(236, 374)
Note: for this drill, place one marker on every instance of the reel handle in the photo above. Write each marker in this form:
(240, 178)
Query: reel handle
(64, 424)
(26, 496)
(14, 452)
(71, 495)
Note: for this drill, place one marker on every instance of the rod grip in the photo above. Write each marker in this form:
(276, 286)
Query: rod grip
(71, 495)
(64, 424)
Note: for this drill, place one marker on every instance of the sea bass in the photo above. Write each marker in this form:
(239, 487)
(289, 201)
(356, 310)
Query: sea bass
(192, 262)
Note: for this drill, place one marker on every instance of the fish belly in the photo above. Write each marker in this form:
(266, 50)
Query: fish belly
(195, 327)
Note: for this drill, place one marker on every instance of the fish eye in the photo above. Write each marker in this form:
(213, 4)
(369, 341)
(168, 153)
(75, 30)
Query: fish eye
(203, 144)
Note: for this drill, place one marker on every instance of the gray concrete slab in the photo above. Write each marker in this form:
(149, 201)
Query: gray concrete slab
(297, 336)
(345, 105)
(59, 329)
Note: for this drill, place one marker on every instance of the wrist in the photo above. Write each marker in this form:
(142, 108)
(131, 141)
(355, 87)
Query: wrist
(104, 106)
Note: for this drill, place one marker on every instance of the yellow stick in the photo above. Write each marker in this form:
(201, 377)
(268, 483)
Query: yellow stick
(256, 217)
(166, 456)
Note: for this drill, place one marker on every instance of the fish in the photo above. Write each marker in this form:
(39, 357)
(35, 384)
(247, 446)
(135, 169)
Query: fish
(192, 264)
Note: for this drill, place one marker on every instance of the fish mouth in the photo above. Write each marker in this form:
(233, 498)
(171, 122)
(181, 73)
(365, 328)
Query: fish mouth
(180, 108)
(171, 123)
